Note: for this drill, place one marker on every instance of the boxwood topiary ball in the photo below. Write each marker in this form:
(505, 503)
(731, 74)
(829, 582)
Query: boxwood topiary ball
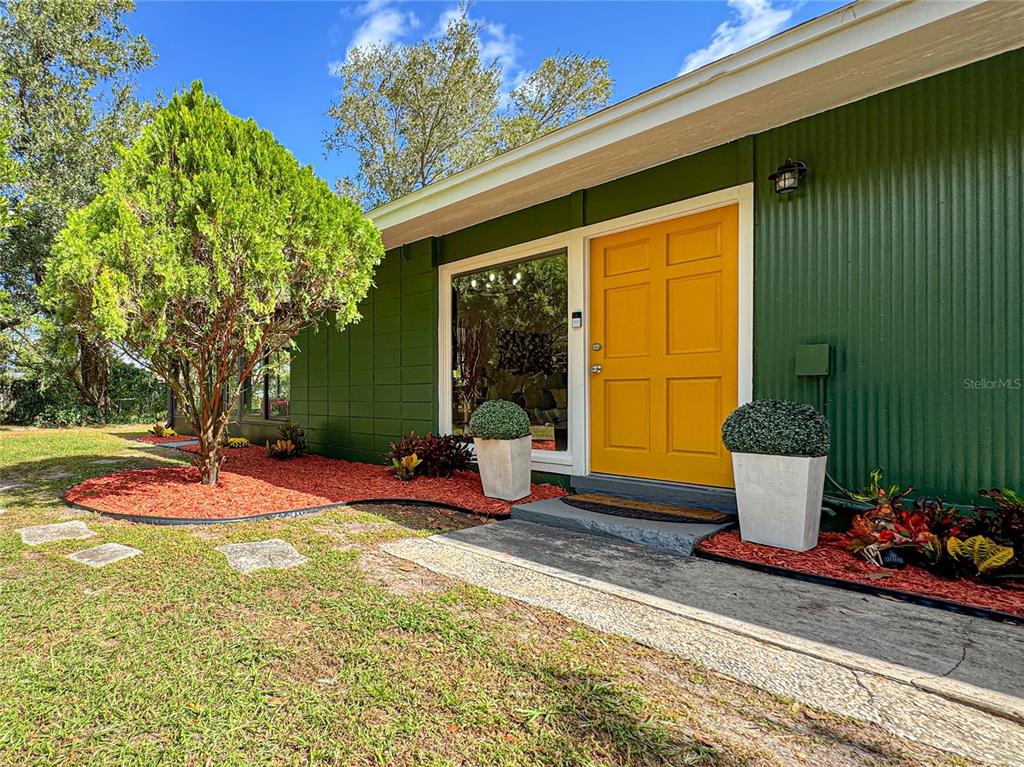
(776, 427)
(499, 419)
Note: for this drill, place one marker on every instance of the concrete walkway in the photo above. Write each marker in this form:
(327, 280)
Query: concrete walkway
(947, 680)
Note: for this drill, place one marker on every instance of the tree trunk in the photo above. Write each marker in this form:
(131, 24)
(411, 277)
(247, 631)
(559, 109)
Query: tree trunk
(210, 458)
(94, 375)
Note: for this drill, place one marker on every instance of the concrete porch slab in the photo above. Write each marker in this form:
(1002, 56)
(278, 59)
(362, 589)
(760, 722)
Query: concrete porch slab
(927, 675)
(675, 537)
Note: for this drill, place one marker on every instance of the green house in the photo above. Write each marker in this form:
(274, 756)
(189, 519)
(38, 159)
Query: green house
(835, 215)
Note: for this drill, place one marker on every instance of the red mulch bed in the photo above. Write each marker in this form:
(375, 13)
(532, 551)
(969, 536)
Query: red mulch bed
(252, 484)
(161, 440)
(830, 560)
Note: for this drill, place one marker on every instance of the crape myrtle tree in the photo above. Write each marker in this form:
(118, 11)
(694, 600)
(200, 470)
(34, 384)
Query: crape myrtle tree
(207, 250)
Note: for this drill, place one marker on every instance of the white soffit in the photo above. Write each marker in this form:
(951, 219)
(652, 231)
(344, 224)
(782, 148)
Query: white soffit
(851, 53)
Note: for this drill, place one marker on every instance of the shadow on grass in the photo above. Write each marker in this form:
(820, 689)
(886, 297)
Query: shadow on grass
(44, 481)
(588, 707)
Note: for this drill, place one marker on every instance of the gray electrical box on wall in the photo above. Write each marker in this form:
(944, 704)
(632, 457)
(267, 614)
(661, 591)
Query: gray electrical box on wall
(814, 360)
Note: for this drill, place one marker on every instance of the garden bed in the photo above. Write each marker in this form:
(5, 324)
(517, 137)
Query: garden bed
(253, 485)
(831, 563)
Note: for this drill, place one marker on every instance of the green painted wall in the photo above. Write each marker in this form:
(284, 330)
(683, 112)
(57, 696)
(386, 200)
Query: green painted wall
(355, 391)
(904, 249)
(358, 390)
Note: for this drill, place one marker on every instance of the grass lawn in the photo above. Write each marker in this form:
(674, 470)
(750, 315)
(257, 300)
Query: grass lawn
(355, 658)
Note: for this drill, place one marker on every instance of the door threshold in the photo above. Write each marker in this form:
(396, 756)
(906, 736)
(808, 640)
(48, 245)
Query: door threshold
(658, 491)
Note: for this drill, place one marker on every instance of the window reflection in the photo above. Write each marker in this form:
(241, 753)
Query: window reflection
(510, 341)
(278, 388)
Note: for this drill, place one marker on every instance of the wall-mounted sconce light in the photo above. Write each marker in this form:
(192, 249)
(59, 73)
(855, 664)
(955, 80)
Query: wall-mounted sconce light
(787, 177)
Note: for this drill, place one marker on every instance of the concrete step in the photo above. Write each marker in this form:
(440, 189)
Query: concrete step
(674, 537)
(658, 491)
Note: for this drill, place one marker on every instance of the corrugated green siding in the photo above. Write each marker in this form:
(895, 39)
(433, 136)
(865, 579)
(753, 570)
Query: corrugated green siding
(357, 390)
(904, 249)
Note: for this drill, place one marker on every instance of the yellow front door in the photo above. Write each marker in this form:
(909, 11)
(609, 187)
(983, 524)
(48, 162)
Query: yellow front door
(664, 341)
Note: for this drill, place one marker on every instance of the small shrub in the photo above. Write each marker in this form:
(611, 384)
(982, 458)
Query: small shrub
(1005, 523)
(282, 448)
(66, 416)
(159, 430)
(404, 468)
(979, 555)
(499, 419)
(439, 455)
(237, 442)
(292, 432)
(776, 427)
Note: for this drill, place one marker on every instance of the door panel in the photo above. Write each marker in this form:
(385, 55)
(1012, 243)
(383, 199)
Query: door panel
(664, 315)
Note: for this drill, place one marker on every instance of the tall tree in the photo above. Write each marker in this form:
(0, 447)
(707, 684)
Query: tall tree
(414, 114)
(67, 97)
(207, 251)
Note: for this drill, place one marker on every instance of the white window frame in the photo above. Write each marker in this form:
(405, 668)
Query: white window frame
(576, 244)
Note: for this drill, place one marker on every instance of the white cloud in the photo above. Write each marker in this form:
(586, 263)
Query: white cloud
(496, 44)
(382, 24)
(752, 22)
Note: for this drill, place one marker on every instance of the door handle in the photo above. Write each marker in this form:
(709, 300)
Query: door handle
(596, 368)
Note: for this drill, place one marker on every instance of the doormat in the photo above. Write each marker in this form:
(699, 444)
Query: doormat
(635, 509)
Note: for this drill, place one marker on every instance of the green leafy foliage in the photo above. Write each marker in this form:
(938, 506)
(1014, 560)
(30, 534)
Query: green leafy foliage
(67, 102)
(439, 455)
(983, 555)
(776, 427)
(415, 114)
(404, 468)
(1004, 523)
(946, 540)
(282, 448)
(292, 432)
(499, 419)
(136, 396)
(207, 251)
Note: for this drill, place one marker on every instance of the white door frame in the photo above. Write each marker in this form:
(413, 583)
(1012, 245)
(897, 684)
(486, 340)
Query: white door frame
(576, 243)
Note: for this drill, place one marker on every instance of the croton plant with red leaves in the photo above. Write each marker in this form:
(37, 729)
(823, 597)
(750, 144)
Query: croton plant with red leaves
(931, 533)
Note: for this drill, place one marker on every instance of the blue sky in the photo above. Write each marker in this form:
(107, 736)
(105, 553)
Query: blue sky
(272, 60)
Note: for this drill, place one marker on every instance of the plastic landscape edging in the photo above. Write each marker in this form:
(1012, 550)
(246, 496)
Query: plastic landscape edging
(146, 519)
(864, 588)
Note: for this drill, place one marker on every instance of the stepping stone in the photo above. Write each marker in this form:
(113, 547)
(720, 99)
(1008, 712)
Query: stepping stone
(260, 555)
(106, 554)
(107, 461)
(60, 531)
(58, 475)
(14, 486)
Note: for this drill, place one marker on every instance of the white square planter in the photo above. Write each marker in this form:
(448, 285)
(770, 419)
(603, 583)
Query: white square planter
(779, 499)
(504, 467)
